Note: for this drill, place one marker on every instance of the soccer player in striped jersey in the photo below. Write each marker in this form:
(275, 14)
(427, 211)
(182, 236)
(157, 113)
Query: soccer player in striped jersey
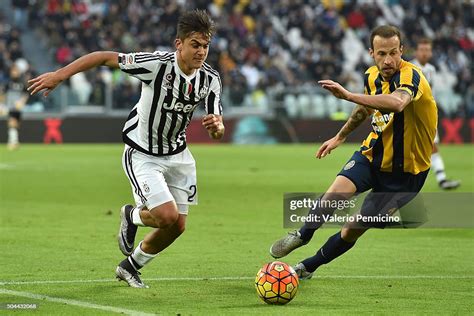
(160, 168)
(423, 54)
(393, 161)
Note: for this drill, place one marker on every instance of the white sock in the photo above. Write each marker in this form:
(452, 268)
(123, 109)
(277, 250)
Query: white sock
(438, 166)
(139, 257)
(13, 136)
(136, 219)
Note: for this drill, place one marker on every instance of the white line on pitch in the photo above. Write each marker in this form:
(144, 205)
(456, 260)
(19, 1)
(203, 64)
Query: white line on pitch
(74, 302)
(114, 280)
(444, 277)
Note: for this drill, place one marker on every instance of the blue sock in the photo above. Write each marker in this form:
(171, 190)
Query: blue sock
(307, 232)
(333, 248)
(309, 228)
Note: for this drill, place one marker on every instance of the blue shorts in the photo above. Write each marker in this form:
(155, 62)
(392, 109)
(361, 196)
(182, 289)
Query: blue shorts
(389, 190)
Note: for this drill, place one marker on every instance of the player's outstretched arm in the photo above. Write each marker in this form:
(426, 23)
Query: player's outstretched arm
(50, 80)
(359, 114)
(214, 125)
(394, 102)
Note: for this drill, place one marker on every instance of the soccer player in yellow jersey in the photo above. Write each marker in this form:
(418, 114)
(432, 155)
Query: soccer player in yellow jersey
(393, 160)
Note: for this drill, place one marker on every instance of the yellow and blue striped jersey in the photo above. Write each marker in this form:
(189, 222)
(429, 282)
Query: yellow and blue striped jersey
(401, 142)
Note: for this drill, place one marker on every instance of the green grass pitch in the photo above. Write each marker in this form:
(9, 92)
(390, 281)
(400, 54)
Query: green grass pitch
(60, 215)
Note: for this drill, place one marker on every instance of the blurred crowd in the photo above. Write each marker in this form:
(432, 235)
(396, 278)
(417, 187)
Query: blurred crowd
(14, 69)
(268, 52)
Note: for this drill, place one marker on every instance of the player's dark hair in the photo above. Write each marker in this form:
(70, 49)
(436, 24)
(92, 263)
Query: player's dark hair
(424, 40)
(385, 31)
(195, 21)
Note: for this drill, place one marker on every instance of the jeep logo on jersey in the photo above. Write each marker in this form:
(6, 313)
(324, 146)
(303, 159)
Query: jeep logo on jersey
(179, 106)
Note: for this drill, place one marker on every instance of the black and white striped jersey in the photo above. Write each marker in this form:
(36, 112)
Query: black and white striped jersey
(157, 123)
(427, 69)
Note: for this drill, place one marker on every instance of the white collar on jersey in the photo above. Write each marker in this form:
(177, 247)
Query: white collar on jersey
(180, 72)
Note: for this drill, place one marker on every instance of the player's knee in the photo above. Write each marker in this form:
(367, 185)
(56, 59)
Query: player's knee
(341, 188)
(168, 218)
(347, 235)
(165, 216)
(351, 234)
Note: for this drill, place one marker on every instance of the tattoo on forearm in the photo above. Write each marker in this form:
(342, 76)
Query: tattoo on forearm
(403, 94)
(359, 114)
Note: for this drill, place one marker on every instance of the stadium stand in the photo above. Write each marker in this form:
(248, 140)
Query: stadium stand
(269, 53)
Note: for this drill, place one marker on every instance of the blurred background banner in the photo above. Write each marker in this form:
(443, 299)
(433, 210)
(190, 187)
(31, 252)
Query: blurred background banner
(269, 58)
(244, 130)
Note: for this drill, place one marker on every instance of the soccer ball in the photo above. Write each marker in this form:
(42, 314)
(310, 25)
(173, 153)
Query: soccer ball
(276, 283)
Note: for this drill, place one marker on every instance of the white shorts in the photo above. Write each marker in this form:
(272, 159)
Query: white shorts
(157, 180)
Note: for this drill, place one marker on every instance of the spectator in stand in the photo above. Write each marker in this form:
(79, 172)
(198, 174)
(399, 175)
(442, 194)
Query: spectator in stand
(97, 96)
(125, 94)
(20, 13)
(16, 97)
(238, 88)
(251, 33)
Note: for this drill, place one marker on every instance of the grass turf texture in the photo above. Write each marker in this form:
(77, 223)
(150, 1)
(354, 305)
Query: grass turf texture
(60, 215)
